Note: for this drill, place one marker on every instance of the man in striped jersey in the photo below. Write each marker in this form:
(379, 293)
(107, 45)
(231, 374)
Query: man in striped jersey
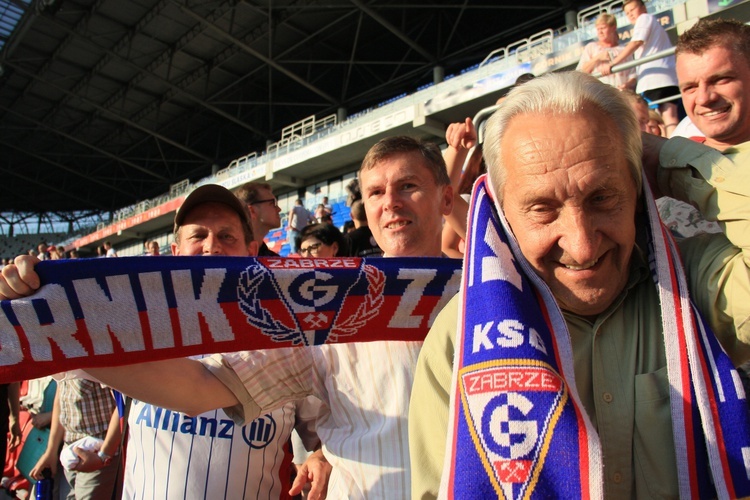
(173, 455)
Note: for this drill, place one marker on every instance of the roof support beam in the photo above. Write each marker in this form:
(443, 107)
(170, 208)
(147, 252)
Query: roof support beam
(50, 187)
(112, 114)
(387, 25)
(258, 55)
(73, 171)
(86, 144)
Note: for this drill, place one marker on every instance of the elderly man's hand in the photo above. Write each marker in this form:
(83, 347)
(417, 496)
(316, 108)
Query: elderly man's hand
(19, 279)
(652, 145)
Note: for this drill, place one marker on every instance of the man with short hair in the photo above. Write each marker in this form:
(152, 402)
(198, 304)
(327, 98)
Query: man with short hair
(564, 163)
(656, 79)
(406, 192)
(713, 69)
(264, 212)
(360, 241)
(110, 252)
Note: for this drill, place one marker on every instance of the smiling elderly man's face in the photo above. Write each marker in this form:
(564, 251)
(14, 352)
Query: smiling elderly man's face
(571, 202)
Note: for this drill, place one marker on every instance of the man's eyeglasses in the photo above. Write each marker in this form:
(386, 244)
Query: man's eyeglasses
(268, 200)
(311, 250)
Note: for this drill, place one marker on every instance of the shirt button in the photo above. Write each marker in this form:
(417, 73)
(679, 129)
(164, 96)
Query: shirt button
(719, 179)
(617, 477)
(607, 397)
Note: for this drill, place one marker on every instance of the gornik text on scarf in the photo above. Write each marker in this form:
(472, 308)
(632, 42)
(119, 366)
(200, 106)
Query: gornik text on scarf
(106, 312)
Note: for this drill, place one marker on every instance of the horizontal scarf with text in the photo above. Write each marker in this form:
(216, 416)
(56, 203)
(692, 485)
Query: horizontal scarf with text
(107, 312)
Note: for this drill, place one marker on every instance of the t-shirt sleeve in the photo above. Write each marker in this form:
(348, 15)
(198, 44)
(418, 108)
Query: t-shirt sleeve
(641, 30)
(263, 380)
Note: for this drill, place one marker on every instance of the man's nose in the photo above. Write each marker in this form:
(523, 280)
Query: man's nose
(392, 199)
(212, 246)
(580, 235)
(705, 95)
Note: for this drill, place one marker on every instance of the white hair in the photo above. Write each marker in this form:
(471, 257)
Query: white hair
(563, 93)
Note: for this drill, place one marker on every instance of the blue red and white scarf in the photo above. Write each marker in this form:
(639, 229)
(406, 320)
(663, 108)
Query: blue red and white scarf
(107, 312)
(517, 428)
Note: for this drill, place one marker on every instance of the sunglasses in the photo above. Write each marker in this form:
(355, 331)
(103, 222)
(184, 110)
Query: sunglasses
(269, 200)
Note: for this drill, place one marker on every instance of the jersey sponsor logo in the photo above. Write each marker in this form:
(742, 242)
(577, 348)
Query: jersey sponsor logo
(314, 306)
(260, 432)
(512, 408)
(257, 434)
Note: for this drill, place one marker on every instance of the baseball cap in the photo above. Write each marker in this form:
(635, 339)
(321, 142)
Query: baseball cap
(211, 193)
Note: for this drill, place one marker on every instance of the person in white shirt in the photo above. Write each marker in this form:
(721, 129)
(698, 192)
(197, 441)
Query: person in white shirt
(656, 79)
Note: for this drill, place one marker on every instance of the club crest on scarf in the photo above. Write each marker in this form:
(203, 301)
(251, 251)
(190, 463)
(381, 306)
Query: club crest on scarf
(512, 408)
(311, 307)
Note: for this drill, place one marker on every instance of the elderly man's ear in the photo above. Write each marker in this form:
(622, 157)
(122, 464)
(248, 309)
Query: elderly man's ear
(651, 148)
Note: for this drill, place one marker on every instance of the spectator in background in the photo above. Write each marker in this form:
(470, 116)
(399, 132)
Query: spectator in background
(323, 215)
(348, 227)
(52, 253)
(655, 123)
(597, 55)
(110, 252)
(100, 251)
(83, 408)
(9, 409)
(41, 251)
(360, 241)
(321, 240)
(640, 108)
(327, 206)
(265, 213)
(74, 254)
(656, 79)
(353, 192)
(153, 248)
(299, 217)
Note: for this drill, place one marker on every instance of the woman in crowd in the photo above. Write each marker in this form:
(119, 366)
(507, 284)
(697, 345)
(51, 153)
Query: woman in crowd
(321, 240)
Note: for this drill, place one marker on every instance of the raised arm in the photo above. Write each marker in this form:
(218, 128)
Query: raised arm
(628, 51)
(461, 137)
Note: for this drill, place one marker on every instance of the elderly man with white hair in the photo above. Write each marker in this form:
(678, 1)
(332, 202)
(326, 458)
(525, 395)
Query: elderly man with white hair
(586, 372)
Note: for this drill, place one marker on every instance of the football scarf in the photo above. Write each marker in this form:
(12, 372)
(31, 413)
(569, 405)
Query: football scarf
(517, 428)
(107, 312)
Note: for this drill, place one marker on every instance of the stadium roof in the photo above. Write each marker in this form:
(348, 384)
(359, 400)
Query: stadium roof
(107, 102)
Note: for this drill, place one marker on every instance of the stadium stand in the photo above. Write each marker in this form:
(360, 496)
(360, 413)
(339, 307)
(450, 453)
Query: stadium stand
(321, 149)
